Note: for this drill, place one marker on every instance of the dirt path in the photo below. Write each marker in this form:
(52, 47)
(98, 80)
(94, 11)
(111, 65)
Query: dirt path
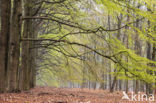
(64, 95)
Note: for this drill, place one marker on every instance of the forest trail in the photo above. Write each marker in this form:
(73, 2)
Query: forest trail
(64, 95)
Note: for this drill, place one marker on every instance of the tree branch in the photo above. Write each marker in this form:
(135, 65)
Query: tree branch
(50, 2)
(75, 25)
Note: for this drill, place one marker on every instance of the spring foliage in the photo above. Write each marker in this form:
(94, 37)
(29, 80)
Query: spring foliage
(95, 25)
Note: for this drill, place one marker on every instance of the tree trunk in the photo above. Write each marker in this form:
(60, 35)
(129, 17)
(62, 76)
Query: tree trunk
(28, 72)
(5, 7)
(138, 52)
(113, 85)
(149, 56)
(14, 46)
(25, 64)
(32, 66)
(154, 58)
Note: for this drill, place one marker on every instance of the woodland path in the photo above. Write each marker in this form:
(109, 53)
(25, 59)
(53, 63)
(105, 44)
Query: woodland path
(63, 95)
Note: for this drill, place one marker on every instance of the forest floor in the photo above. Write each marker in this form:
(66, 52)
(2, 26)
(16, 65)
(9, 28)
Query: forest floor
(64, 95)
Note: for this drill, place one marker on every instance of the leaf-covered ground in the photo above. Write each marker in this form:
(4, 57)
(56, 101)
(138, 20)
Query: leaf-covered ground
(64, 95)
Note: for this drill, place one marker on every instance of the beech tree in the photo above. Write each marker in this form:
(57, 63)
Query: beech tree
(4, 42)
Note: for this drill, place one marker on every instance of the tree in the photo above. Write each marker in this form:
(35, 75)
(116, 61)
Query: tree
(5, 6)
(14, 45)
